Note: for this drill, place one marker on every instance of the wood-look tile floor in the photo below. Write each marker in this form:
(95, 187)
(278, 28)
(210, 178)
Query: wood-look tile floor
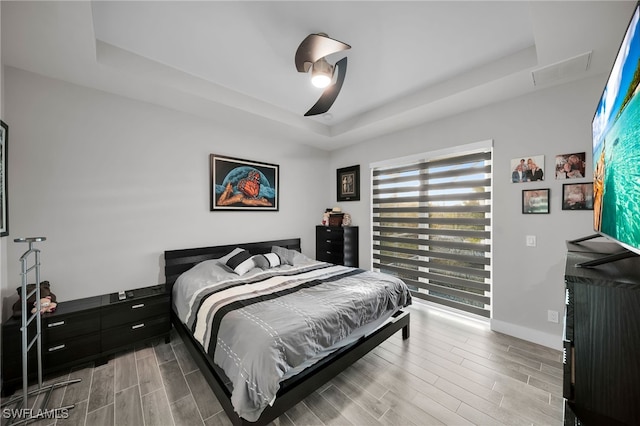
(449, 372)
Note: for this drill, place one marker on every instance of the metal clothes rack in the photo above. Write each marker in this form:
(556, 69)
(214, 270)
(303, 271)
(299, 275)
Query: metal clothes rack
(23, 411)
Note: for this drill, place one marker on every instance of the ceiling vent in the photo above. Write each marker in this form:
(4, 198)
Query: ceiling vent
(563, 70)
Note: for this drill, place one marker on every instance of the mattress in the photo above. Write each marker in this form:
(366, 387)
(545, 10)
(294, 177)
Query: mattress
(268, 324)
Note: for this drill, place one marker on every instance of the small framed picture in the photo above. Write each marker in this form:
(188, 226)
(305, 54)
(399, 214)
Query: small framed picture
(348, 183)
(535, 201)
(570, 166)
(527, 169)
(4, 207)
(577, 196)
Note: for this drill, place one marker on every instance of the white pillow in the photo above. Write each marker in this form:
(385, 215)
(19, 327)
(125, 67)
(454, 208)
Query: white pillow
(284, 253)
(267, 260)
(228, 256)
(241, 263)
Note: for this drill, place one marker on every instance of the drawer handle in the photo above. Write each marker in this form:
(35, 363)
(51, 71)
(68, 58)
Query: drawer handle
(56, 348)
(56, 324)
(328, 252)
(141, 305)
(133, 327)
(328, 241)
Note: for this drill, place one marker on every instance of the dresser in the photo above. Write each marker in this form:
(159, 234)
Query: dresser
(601, 383)
(88, 329)
(337, 244)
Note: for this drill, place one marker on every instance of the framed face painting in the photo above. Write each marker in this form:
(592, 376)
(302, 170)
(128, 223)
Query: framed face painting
(243, 185)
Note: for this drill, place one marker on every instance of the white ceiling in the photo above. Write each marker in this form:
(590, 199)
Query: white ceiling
(410, 62)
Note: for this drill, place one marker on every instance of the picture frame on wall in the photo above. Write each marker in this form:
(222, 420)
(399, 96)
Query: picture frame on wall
(243, 185)
(577, 196)
(348, 183)
(529, 168)
(571, 166)
(535, 201)
(4, 202)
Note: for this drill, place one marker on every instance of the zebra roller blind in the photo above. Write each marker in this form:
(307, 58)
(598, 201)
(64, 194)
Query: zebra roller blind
(432, 228)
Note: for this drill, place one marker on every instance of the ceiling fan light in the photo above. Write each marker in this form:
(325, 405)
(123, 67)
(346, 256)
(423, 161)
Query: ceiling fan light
(321, 73)
(321, 80)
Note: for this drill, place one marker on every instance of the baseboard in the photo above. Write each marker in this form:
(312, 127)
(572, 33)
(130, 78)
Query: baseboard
(549, 340)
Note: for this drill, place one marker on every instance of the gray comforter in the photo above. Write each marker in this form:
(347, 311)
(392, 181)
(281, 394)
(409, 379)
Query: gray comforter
(266, 325)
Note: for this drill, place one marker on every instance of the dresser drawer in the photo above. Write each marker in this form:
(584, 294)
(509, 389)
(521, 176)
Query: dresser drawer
(58, 328)
(336, 258)
(135, 310)
(70, 350)
(134, 332)
(329, 244)
(326, 233)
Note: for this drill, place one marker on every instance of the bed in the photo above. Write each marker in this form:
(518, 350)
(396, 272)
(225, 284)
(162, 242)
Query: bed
(210, 300)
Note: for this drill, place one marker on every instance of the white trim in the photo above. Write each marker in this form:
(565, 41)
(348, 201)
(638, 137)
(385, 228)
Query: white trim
(445, 152)
(549, 340)
(457, 314)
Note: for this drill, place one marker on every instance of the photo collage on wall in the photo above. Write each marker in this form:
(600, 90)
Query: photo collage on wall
(576, 195)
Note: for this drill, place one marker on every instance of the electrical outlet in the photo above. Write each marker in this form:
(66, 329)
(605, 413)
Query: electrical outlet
(552, 316)
(531, 240)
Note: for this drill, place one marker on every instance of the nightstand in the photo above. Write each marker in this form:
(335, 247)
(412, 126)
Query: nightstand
(143, 315)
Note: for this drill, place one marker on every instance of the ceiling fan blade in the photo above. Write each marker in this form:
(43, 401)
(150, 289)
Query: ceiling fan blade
(330, 93)
(314, 47)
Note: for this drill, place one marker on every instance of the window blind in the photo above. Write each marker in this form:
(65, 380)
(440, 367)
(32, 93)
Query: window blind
(432, 228)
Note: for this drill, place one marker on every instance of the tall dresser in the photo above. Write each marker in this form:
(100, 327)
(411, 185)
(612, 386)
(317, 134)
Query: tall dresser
(337, 244)
(602, 339)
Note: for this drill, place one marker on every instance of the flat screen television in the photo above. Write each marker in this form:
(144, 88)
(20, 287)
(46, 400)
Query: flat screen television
(616, 146)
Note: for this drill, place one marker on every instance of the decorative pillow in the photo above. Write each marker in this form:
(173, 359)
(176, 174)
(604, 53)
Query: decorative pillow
(228, 256)
(241, 263)
(267, 260)
(285, 254)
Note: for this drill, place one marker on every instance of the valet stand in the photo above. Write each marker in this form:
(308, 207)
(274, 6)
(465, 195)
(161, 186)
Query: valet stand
(23, 412)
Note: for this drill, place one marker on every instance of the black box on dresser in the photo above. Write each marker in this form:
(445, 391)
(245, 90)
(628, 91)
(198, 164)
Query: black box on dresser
(602, 338)
(85, 330)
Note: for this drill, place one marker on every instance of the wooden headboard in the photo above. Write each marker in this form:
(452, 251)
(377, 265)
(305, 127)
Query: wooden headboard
(178, 261)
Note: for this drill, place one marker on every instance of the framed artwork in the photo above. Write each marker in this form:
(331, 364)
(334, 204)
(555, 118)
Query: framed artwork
(535, 201)
(238, 184)
(570, 166)
(4, 203)
(527, 169)
(577, 196)
(348, 183)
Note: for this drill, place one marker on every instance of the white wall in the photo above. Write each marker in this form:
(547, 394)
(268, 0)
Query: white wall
(526, 281)
(112, 183)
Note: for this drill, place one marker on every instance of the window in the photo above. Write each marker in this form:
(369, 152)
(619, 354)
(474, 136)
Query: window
(432, 227)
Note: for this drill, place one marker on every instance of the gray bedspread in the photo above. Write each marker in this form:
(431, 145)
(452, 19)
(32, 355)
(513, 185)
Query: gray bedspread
(266, 324)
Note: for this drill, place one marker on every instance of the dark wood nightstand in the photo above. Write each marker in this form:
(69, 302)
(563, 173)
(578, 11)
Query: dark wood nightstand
(143, 315)
(337, 244)
(86, 330)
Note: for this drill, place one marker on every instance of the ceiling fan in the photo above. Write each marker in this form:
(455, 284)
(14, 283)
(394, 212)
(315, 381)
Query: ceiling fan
(311, 54)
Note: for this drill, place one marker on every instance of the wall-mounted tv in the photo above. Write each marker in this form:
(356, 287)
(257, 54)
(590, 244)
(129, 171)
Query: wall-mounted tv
(616, 146)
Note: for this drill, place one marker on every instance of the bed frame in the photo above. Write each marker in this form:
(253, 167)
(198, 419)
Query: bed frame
(294, 389)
